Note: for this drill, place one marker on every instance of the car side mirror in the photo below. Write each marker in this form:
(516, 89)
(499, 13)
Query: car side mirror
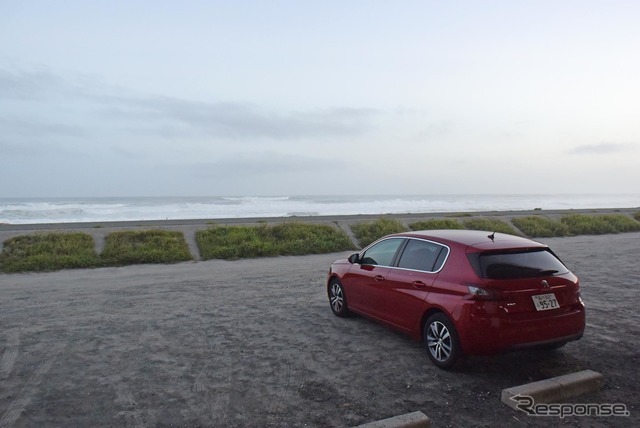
(354, 258)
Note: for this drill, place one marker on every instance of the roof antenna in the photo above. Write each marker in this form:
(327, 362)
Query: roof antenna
(492, 237)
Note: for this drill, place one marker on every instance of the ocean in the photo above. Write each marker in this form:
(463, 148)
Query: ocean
(71, 210)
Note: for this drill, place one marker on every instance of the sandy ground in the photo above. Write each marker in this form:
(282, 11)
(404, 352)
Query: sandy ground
(254, 343)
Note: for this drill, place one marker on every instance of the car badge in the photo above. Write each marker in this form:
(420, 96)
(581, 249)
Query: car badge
(545, 284)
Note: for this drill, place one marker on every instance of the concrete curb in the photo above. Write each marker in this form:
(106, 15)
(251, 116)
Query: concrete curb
(556, 389)
(408, 420)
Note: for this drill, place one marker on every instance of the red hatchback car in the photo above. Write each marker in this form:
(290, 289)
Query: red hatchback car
(463, 292)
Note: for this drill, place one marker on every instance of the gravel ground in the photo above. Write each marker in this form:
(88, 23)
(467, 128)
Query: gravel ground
(254, 343)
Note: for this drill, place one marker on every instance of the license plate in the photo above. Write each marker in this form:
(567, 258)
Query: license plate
(545, 302)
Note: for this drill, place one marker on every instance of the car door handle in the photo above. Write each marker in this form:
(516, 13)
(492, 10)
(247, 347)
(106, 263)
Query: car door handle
(379, 278)
(418, 284)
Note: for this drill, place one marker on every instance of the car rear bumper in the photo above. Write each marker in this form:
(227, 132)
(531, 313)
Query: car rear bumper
(484, 329)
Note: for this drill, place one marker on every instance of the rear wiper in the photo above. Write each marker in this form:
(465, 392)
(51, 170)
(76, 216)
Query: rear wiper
(547, 272)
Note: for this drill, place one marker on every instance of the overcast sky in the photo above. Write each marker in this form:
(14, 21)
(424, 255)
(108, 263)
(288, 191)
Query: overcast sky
(189, 98)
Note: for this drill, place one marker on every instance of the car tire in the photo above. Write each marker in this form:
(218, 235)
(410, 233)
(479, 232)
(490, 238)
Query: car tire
(441, 340)
(337, 299)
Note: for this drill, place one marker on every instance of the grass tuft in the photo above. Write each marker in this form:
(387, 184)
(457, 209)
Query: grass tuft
(490, 225)
(540, 227)
(582, 224)
(637, 216)
(48, 252)
(367, 232)
(436, 224)
(149, 246)
(236, 242)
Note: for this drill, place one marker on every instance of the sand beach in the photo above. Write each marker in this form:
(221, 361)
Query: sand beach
(254, 343)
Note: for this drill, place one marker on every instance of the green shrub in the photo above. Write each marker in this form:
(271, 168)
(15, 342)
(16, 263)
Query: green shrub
(234, 242)
(301, 238)
(637, 216)
(367, 232)
(150, 246)
(621, 223)
(582, 224)
(541, 227)
(436, 224)
(490, 225)
(48, 252)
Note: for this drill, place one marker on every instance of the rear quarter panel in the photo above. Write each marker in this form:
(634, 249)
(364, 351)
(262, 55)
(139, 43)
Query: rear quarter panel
(449, 287)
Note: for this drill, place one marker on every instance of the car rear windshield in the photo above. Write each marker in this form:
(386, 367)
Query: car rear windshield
(517, 264)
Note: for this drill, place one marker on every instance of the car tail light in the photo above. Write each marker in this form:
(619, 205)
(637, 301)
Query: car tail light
(480, 293)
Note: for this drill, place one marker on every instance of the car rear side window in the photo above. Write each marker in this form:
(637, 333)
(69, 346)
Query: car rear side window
(422, 255)
(382, 253)
(518, 264)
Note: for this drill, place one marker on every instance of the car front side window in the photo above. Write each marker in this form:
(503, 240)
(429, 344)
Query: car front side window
(382, 253)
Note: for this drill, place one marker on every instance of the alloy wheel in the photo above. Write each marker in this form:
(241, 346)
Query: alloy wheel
(439, 341)
(337, 299)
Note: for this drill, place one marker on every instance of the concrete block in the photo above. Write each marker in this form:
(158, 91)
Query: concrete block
(557, 389)
(409, 420)
(579, 383)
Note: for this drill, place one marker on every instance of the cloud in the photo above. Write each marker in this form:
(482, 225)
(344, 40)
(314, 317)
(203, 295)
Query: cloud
(433, 131)
(264, 172)
(27, 85)
(172, 117)
(8, 148)
(36, 129)
(602, 148)
(262, 164)
(89, 103)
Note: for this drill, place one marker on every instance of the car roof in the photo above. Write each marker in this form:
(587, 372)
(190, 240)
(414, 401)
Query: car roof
(474, 238)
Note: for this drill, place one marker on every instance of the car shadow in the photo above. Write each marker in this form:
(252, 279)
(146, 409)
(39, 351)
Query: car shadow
(500, 370)
(523, 366)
